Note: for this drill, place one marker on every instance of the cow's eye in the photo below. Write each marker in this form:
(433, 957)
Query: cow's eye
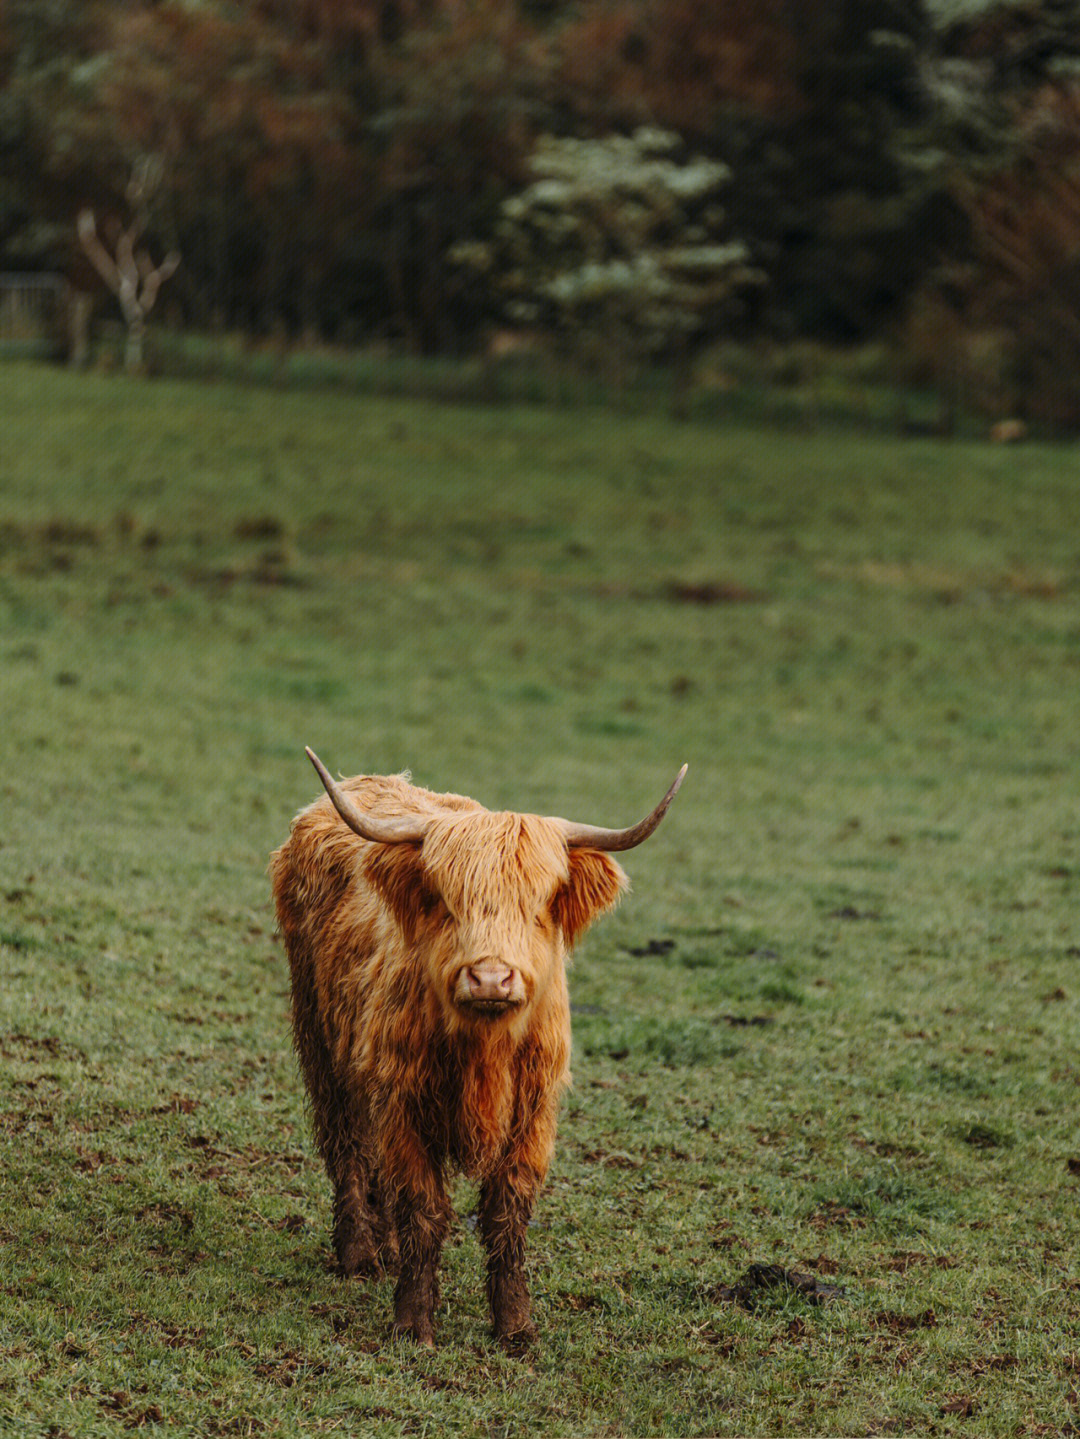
(433, 903)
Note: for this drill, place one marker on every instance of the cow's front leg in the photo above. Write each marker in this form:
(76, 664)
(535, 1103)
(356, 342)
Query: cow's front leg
(364, 1237)
(506, 1204)
(354, 1239)
(423, 1218)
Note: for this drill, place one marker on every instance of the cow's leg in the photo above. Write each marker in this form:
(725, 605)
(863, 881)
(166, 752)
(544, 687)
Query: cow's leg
(361, 1235)
(384, 1225)
(423, 1218)
(363, 1241)
(506, 1204)
(422, 1214)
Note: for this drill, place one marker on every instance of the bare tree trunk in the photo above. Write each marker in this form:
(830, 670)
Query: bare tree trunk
(135, 346)
(79, 320)
(130, 274)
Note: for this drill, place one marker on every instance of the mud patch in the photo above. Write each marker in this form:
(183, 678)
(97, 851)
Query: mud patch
(259, 527)
(888, 1322)
(712, 592)
(764, 1278)
(31, 1049)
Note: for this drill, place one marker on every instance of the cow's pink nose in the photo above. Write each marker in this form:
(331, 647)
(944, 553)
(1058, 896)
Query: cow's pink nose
(489, 981)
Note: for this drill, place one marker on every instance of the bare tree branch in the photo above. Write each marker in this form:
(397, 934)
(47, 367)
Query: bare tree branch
(99, 257)
(131, 274)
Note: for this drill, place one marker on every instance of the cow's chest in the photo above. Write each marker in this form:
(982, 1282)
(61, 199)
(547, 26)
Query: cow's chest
(479, 1108)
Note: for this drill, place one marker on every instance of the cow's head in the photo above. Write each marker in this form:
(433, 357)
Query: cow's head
(492, 902)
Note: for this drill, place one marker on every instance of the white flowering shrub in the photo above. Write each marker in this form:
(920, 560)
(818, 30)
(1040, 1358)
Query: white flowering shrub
(617, 238)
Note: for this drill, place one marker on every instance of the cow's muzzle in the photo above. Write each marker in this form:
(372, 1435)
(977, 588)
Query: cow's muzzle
(489, 987)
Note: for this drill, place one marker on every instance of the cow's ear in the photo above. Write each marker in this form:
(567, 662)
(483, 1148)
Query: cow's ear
(397, 872)
(594, 884)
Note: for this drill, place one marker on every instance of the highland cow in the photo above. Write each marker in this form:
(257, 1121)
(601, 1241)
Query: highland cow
(427, 939)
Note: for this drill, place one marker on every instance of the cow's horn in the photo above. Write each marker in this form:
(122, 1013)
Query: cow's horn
(367, 826)
(588, 836)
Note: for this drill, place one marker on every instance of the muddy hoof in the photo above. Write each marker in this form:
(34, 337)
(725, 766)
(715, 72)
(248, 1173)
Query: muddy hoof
(518, 1342)
(417, 1333)
(357, 1262)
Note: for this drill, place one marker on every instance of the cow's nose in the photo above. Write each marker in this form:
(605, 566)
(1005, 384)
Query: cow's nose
(489, 981)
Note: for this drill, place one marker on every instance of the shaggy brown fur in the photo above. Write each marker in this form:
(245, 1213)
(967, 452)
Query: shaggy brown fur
(407, 1081)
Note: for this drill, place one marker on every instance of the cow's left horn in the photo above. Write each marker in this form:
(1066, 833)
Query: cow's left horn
(588, 836)
(367, 826)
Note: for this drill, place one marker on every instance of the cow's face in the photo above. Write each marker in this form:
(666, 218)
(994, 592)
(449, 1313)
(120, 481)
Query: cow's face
(490, 904)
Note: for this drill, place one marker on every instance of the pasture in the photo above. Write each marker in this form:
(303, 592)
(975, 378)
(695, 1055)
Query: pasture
(834, 1028)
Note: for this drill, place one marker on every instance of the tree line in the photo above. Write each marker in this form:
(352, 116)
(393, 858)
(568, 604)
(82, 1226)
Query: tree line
(354, 169)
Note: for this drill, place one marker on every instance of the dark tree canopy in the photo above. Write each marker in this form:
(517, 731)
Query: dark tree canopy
(324, 161)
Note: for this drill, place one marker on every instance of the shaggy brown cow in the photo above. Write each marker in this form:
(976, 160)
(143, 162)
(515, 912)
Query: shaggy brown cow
(427, 938)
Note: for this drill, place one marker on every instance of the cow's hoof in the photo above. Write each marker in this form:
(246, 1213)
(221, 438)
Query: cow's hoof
(517, 1342)
(417, 1333)
(389, 1262)
(364, 1270)
(358, 1262)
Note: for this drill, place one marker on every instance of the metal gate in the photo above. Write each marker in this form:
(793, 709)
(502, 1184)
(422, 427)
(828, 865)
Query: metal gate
(34, 315)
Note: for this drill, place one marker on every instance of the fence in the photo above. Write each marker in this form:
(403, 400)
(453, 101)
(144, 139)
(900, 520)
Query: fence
(35, 315)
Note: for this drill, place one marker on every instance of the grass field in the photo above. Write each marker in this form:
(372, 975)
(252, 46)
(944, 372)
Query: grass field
(834, 1028)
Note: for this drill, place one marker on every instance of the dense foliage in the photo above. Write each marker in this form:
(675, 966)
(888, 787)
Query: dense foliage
(324, 162)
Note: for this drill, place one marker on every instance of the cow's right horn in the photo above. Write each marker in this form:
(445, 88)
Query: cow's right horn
(368, 826)
(588, 836)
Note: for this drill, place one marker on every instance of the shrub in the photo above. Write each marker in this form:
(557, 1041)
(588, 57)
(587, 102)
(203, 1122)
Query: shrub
(617, 240)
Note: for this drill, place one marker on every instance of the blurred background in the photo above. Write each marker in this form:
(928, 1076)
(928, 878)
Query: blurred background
(737, 195)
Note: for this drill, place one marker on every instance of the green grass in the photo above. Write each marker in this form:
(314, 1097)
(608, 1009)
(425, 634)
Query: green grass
(834, 1027)
(798, 386)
